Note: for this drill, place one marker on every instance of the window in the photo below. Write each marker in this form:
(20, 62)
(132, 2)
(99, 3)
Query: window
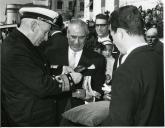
(81, 6)
(59, 4)
(103, 3)
(70, 5)
(91, 5)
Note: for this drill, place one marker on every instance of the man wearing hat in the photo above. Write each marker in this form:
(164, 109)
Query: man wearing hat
(28, 86)
(58, 39)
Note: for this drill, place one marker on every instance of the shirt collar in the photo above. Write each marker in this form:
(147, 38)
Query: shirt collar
(78, 52)
(130, 50)
(55, 32)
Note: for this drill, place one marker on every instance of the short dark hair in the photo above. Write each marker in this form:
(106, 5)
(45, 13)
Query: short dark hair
(102, 16)
(129, 18)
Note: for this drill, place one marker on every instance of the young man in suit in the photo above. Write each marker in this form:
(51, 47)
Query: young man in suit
(28, 86)
(137, 85)
(77, 34)
(102, 29)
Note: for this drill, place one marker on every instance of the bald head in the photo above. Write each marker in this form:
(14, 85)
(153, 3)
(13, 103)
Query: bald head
(79, 23)
(151, 35)
(152, 31)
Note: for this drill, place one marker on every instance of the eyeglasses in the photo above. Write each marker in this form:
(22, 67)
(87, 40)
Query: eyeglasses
(151, 36)
(79, 37)
(101, 25)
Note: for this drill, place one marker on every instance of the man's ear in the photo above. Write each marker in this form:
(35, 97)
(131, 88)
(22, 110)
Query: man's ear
(121, 33)
(33, 25)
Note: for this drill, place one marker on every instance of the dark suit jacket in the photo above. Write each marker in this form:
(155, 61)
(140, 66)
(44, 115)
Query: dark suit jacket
(57, 41)
(27, 86)
(88, 58)
(158, 47)
(138, 90)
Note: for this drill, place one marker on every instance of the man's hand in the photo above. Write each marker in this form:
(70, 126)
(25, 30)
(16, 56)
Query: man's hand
(106, 88)
(67, 69)
(76, 77)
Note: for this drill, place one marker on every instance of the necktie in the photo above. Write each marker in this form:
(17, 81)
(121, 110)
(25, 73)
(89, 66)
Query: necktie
(73, 60)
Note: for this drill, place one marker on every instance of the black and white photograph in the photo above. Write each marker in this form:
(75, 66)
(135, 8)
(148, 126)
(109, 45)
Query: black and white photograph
(82, 63)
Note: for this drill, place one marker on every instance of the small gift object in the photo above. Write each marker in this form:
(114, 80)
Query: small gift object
(91, 95)
(106, 88)
(107, 91)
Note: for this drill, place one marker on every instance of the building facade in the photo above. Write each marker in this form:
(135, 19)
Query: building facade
(84, 9)
(69, 8)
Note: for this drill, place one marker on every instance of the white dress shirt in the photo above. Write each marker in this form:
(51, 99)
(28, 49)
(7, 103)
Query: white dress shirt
(74, 57)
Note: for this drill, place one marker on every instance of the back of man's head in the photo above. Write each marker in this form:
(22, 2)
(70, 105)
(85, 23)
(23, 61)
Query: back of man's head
(128, 18)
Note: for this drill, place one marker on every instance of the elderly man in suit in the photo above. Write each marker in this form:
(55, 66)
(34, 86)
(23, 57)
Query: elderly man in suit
(77, 56)
(28, 86)
(137, 85)
(153, 40)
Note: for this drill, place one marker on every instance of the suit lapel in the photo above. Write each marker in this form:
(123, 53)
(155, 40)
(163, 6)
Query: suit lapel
(84, 60)
(66, 56)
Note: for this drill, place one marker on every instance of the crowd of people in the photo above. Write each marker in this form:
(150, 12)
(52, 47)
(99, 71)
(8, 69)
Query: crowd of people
(47, 70)
(153, 18)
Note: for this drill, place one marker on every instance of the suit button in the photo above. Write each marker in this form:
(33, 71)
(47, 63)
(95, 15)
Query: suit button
(54, 101)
